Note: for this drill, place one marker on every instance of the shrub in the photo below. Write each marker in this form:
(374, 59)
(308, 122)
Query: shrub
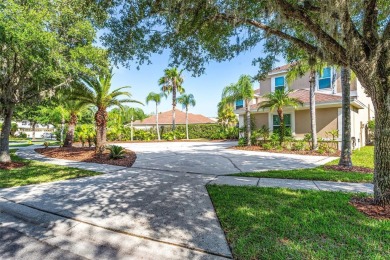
(116, 152)
(46, 144)
(267, 146)
(298, 146)
(169, 136)
(22, 135)
(242, 141)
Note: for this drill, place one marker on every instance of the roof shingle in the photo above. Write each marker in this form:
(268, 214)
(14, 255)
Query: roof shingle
(165, 118)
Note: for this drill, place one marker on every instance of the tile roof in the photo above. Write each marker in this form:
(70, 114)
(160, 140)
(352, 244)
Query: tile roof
(165, 118)
(304, 96)
(281, 68)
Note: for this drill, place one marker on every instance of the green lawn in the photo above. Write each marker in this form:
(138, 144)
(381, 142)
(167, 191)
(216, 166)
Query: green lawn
(363, 157)
(37, 172)
(269, 223)
(15, 145)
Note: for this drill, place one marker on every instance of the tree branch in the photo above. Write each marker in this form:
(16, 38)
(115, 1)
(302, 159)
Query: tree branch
(386, 32)
(370, 22)
(300, 43)
(301, 15)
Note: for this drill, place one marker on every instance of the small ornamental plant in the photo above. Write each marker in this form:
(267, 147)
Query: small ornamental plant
(116, 152)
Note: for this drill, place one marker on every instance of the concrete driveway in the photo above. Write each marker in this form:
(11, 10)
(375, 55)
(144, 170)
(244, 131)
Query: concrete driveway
(159, 208)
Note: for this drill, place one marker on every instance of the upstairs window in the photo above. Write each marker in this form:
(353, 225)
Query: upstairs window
(239, 104)
(325, 78)
(279, 83)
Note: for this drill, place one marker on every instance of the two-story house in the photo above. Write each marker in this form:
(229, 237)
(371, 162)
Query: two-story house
(328, 105)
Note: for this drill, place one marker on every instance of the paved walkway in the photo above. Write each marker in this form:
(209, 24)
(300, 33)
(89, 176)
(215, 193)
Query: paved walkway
(157, 209)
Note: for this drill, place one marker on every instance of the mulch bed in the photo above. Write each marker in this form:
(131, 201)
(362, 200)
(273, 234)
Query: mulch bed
(11, 165)
(261, 149)
(87, 154)
(367, 206)
(358, 169)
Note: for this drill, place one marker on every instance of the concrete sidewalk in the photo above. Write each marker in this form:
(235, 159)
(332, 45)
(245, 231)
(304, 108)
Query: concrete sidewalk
(294, 184)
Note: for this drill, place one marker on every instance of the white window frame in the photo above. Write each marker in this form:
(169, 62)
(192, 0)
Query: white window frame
(288, 111)
(331, 80)
(273, 82)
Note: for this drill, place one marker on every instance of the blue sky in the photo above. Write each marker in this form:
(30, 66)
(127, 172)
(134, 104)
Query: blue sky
(206, 88)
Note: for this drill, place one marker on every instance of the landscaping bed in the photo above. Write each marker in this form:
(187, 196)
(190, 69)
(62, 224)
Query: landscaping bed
(87, 154)
(284, 150)
(275, 223)
(11, 165)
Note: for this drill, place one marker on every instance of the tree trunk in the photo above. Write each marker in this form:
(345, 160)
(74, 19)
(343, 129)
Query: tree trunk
(313, 118)
(248, 123)
(157, 128)
(68, 142)
(382, 153)
(101, 123)
(33, 130)
(187, 123)
(131, 128)
(62, 130)
(174, 107)
(282, 130)
(345, 158)
(5, 132)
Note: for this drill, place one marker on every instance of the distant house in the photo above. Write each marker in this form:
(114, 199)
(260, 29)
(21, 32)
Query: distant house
(165, 119)
(34, 130)
(328, 105)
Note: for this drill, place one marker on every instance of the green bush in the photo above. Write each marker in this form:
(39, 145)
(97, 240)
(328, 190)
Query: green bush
(46, 144)
(22, 135)
(169, 136)
(298, 146)
(145, 135)
(242, 141)
(116, 152)
(267, 146)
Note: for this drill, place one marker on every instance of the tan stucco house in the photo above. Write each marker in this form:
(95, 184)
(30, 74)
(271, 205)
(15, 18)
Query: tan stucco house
(328, 105)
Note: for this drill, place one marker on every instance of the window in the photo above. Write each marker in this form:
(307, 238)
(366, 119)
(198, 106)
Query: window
(24, 122)
(279, 83)
(287, 123)
(325, 80)
(239, 104)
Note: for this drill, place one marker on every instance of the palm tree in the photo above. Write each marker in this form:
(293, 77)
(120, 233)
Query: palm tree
(278, 100)
(96, 92)
(73, 107)
(242, 90)
(298, 70)
(157, 99)
(226, 116)
(172, 82)
(186, 101)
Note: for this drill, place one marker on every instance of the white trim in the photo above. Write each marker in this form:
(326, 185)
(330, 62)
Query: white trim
(330, 89)
(288, 111)
(273, 82)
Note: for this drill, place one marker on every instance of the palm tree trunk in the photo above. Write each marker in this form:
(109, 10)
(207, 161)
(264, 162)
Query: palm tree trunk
(313, 111)
(345, 158)
(157, 128)
(282, 130)
(68, 142)
(174, 108)
(187, 122)
(248, 123)
(131, 128)
(101, 123)
(5, 132)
